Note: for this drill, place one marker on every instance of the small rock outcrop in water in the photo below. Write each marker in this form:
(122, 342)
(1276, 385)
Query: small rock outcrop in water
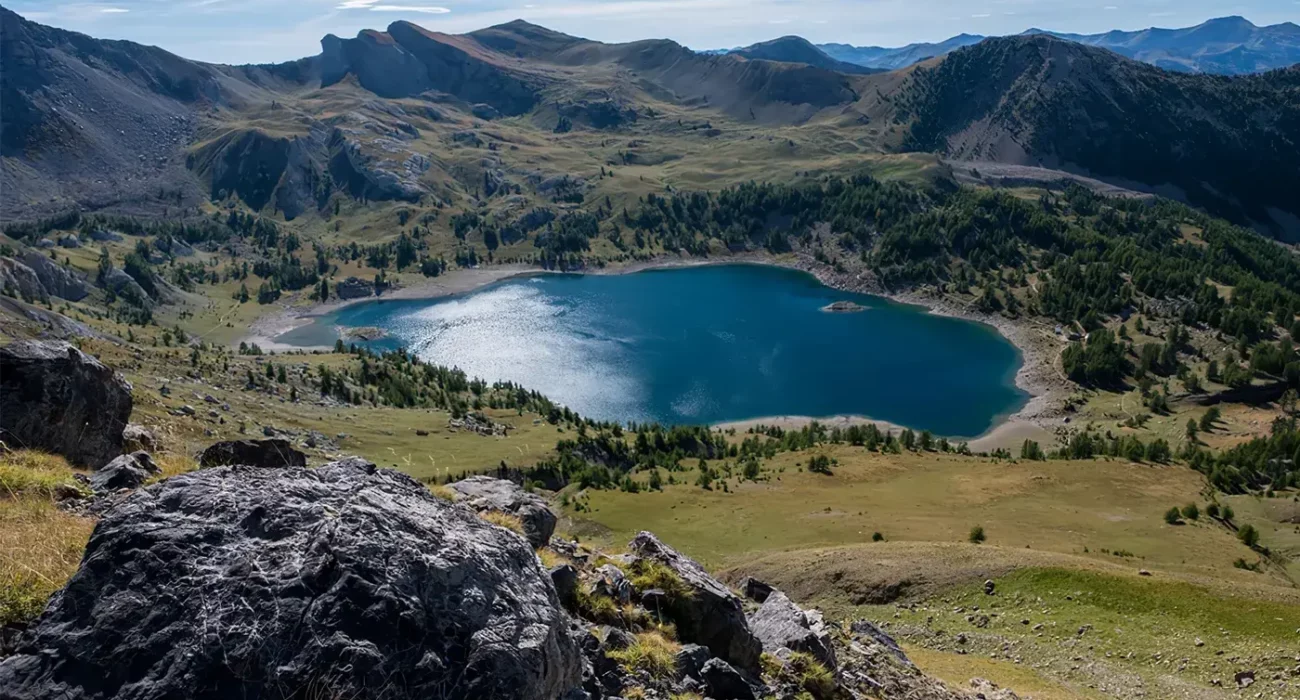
(712, 615)
(56, 398)
(268, 454)
(343, 581)
(366, 333)
(843, 307)
(485, 493)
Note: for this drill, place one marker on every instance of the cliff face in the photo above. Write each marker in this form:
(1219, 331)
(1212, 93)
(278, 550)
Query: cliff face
(408, 60)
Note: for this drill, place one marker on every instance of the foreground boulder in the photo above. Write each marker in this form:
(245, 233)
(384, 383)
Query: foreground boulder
(54, 397)
(485, 493)
(712, 615)
(780, 624)
(343, 581)
(267, 454)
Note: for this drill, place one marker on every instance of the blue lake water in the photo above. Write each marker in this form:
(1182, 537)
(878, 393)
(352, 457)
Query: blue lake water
(705, 345)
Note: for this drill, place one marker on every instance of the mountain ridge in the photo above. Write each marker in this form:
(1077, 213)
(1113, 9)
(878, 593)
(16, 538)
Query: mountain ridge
(382, 117)
(1226, 45)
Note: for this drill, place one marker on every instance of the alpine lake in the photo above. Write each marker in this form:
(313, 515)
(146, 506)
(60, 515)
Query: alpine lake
(702, 345)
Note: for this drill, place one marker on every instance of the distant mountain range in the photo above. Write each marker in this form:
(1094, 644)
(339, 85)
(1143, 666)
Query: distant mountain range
(417, 117)
(1227, 46)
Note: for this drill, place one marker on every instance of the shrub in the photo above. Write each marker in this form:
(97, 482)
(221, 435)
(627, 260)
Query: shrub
(1173, 516)
(1226, 513)
(820, 464)
(1249, 536)
(877, 537)
(976, 535)
(1212, 510)
(652, 653)
(1191, 512)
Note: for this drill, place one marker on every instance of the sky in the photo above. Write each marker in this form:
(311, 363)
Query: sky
(265, 31)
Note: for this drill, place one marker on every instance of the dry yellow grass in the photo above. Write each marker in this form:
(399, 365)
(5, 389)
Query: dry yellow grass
(506, 520)
(40, 545)
(444, 492)
(40, 548)
(172, 464)
(34, 473)
(652, 652)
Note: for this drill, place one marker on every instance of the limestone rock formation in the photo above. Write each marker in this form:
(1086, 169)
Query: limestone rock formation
(58, 280)
(780, 624)
(712, 615)
(485, 493)
(342, 581)
(21, 281)
(54, 397)
(267, 454)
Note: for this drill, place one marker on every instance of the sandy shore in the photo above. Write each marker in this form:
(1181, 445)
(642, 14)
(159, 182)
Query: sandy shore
(1040, 348)
(264, 330)
(1009, 434)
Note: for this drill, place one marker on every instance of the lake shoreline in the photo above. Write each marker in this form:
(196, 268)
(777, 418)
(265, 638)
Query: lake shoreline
(1039, 348)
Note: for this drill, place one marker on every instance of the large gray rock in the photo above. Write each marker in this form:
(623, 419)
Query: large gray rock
(866, 632)
(56, 398)
(690, 660)
(725, 682)
(136, 437)
(124, 472)
(712, 615)
(21, 280)
(343, 581)
(57, 279)
(779, 623)
(485, 493)
(266, 454)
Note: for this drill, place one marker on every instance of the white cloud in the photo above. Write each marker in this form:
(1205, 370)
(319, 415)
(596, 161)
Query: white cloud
(373, 7)
(113, 10)
(426, 9)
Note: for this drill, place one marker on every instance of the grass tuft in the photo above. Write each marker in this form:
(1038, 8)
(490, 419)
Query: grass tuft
(811, 675)
(645, 574)
(652, 652)
(444, 492)
(506, 520)
(33, 473)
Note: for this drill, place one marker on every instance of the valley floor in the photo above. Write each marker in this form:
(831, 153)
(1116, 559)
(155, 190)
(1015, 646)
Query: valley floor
(1096, 596)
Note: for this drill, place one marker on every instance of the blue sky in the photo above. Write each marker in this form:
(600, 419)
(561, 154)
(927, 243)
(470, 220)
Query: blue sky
(257, 31)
